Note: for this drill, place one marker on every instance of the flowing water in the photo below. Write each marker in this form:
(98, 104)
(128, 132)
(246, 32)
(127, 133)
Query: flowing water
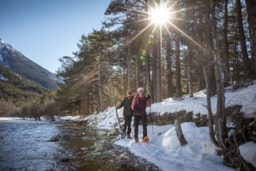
(62, 146)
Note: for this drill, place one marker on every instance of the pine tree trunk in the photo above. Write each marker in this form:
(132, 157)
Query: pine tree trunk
(100, 91)
(220, 114)
(190, 56)
(202, 80)
(226, 44)
(210, 59)
(148, 70)
(148, 76)
(128, 69)
(212, 132)
(242, 39)
(159, 68)
(137, 74)
(251, 10)
(158, 78)
(154, 72)
(211, 76)
(169, 68)
(125, 77)
(178, 75)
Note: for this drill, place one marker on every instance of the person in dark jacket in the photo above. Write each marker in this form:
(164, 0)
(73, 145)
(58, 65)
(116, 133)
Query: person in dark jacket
(139, 104)
(127, 113)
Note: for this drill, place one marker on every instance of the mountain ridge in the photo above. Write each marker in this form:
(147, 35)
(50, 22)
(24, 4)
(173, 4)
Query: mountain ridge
(22, 65)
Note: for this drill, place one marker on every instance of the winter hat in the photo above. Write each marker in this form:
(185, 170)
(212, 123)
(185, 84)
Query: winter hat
(140, 89)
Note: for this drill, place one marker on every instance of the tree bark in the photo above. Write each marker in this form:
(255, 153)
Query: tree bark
(251, 10)
(212, 132)
(100, 92)
(169, 68)
(226, 44)
(158, 88)
(190, 56)
(148, 75)
(159, 68)
(148, 70)
(128, 69)
(137, 74)
(179, 133)
(154, 72)
(242, 39)
(210, 68)
(178, 75)
(220, 115)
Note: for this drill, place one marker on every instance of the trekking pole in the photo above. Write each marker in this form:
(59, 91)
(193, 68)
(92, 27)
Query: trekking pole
(113, 101)
(160, 133)
(118, 121)
(152, 121)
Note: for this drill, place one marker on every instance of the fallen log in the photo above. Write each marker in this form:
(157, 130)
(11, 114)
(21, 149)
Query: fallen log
(179, 132)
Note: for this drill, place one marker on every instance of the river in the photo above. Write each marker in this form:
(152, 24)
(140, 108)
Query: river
(62, 146)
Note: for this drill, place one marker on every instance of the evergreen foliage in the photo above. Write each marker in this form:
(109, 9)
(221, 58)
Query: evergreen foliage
(125, 53)
(17, 89)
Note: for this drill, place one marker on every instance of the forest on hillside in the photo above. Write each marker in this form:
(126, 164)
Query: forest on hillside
(203, 44)
(25, 98)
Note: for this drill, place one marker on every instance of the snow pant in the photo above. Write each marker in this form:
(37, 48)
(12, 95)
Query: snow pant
(127, 124)
(137, 119)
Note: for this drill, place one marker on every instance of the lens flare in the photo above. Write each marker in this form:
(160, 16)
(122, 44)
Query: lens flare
(159, 15)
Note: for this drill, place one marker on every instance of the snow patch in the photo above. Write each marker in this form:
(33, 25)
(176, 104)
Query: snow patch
(165, 151)
(2, 45)
(68, 118)
(10, 118)
(106, 119)
(197, 104)
(248, 152)
(3, 78)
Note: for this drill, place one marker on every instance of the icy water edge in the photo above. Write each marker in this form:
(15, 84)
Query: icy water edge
(62, 146)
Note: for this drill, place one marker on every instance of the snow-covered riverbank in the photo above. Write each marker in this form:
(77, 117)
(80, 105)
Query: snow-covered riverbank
(164, 150)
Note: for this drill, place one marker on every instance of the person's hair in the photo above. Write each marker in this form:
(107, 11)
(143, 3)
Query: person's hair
(129, 92)
(140, 89)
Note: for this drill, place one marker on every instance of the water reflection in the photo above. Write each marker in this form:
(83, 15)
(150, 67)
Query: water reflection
(62, 146)
(25, 146)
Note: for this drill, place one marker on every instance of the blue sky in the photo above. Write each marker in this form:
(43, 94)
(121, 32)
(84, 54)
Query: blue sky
(45, 30)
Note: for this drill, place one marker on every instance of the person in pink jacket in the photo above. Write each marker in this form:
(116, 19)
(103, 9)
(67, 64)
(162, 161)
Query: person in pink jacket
(139, 104)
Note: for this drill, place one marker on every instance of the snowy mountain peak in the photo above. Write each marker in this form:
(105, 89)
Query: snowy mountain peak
(2, 43)
(1, 40)
(18, 63)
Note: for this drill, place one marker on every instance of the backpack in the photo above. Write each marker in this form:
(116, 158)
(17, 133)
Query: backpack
(140, 106)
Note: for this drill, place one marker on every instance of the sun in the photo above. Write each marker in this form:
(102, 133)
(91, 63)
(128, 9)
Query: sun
(160, 15)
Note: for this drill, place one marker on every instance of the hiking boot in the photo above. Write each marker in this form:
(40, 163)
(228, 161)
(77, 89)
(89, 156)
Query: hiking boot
(145, 139)
(129, 136)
